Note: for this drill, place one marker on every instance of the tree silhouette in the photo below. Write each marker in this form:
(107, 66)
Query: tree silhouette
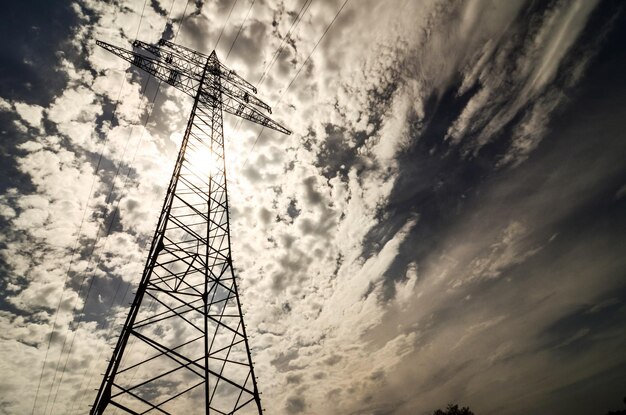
(454, 410)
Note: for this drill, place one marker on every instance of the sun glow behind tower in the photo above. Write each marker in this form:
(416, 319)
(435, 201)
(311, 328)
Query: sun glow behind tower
(184, 344)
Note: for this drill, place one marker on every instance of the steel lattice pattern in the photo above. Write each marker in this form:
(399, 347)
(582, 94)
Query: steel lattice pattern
(183, 348)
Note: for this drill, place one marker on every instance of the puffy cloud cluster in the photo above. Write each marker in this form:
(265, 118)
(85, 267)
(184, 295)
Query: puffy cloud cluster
(326, 333)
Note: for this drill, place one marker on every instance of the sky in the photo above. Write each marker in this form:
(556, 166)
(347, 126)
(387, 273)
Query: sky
(445, 224)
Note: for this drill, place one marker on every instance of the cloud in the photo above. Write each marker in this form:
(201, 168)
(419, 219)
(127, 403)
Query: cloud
(5, 105)
(317, 235)
(513, 73)
(32, 114)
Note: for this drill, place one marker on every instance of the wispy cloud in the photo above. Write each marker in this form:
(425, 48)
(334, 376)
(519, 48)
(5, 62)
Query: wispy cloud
(347, 309)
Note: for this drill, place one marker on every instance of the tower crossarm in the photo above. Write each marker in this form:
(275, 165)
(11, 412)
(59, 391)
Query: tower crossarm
(239, 108)
(179, 67)
(173, 58)
(189, 62)
(192, 63)
(187, 305)
(243, 96)
(199, 58)
(189, 54)
(168, 73)
(232, 77)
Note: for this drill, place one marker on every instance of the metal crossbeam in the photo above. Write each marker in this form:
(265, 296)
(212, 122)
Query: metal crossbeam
(187, 306)
(180, 68)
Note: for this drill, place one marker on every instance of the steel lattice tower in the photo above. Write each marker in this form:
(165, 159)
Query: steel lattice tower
(183, 347)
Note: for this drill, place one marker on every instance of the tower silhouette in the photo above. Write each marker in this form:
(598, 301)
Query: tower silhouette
(183, 348)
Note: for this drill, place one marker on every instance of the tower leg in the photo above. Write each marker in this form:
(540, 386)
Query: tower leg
(184, 341)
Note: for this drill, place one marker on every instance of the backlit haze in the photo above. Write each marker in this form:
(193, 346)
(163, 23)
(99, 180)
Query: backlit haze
(446, 223)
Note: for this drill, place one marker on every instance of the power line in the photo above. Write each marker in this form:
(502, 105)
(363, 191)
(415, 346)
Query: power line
(294, 24)
(83, 389)
(310, 54)
(128, 173)
(97, 169)
(71, 262)
(141, 19)
(239, 32)
(114, 216)
(86, 273)
(233, 44)
(180, 25)
(162, 243)
(224, 25)
(108, 230)
(296, 75)
(114, 297)
(306, 4)
(116, 209)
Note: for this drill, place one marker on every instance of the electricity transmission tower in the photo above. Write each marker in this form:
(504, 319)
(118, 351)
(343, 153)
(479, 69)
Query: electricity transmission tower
(183, 347)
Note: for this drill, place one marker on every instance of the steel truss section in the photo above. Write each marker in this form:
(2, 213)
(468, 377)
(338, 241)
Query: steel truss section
(184, 348)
